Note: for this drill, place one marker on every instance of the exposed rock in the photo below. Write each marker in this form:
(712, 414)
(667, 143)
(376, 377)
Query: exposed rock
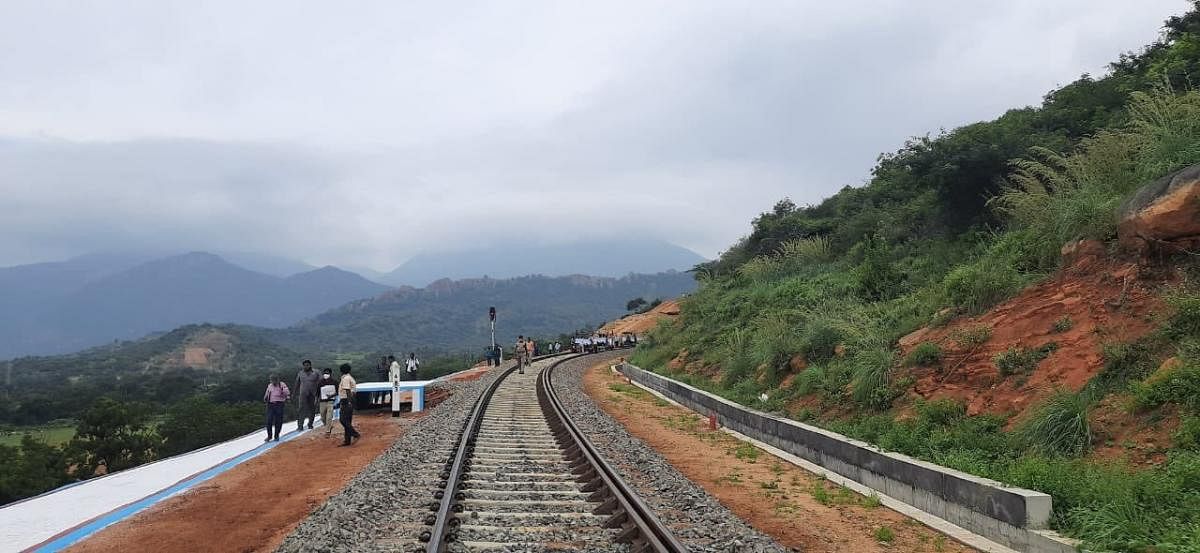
(1164, 214)
(797, 363)
(1083, 255)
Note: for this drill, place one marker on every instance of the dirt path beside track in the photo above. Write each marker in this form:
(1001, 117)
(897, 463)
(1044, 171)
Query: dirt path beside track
(799, 509)
(254, 505)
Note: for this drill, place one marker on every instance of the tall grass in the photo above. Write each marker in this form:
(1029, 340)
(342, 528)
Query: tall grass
(1060, 426)
(790, 257)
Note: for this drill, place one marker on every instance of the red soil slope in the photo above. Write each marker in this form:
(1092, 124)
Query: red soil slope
(644, 322)
(1105, 300)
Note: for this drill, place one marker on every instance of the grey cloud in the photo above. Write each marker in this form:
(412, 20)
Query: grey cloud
(360, 136)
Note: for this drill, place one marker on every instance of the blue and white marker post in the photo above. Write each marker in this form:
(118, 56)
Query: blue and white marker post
(396, 393)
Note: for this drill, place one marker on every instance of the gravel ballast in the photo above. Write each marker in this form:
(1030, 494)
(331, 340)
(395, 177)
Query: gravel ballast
(696, 518)
(383, 508)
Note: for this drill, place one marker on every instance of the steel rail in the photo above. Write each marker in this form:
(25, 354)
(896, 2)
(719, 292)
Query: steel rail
(638, 525)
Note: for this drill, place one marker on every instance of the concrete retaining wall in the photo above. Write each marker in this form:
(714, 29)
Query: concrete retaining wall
(1013, 517)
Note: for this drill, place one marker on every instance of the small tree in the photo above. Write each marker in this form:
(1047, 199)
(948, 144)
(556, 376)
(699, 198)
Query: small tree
(114, 435)
(634, 303)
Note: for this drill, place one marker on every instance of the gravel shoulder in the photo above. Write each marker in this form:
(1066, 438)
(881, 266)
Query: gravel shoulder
(698, 519)
(799, 509)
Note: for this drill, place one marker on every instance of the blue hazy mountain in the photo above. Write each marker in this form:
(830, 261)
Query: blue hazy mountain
(67, 306)
(610, 258)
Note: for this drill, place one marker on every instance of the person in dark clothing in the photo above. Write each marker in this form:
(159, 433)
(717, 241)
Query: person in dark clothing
(306, 395)
(346, 390)
(381, 372)
(411, 366)
(275, 397)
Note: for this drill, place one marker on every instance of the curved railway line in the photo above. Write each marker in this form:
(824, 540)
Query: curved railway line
(523, 476)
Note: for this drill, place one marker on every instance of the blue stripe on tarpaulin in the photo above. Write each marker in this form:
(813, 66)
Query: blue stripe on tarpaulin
(112, 517)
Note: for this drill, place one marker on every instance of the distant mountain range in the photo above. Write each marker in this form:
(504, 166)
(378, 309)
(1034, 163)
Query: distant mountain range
(451, 315)
(91, 300)
(611, 258)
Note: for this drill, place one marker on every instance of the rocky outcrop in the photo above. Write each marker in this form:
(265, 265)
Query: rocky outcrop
(1163, 215)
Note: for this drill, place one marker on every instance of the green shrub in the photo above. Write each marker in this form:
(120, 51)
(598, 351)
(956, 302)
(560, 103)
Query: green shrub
(871, 383)
(1187, 436)
(773, 342)
(1063, 324)
(1180, 386)
(876, 277)
(940, 412)
(1185, 318)
(820, 342)
(813, 249)
(1059, 426)
(925, 354)
(977, 287)
(1123, 363)
(1022, 360)
(884, 534)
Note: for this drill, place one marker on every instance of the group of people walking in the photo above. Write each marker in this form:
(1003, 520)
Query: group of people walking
(317, 394)
(527, 348)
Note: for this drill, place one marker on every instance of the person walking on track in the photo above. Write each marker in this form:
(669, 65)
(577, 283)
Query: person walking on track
(530, 350)
(306, 395)
(328, 395)
(346, 390)
(275, 397)
(521, 353)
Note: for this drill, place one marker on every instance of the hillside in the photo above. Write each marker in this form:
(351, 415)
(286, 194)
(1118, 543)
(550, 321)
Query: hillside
(227, 361)
(607, 258)
(451, 315)
(64, 307)
(641, 323)
(1015, 298)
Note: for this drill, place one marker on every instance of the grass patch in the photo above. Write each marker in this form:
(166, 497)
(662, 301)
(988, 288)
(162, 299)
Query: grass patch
(972, 337)
(1063, 324)
(49, 435)
(1022, 360)
(820, 494)
(884, 534)
(746, 452)
(628, 389)
(1060, 426)
(925, 354)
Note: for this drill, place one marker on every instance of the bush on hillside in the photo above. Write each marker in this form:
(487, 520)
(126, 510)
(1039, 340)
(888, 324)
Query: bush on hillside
(1021, 359)
(925, 354)
(1123, 363)
(820, 342)
(976, 287)
(871, 384)
(1185, 318)
(1179, 385)
(1187, 436)
(1059, 426)
(876, 277)
(1057, 198)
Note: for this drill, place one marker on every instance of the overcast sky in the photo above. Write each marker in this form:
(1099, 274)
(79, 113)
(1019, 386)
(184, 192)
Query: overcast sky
(361, 133)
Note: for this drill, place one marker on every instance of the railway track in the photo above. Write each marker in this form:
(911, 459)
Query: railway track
(523, 477)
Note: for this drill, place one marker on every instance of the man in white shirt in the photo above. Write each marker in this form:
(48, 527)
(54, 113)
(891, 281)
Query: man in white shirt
(411, 365)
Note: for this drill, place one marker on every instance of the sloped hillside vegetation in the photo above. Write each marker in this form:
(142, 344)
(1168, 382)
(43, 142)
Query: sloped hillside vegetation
(971, 305)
